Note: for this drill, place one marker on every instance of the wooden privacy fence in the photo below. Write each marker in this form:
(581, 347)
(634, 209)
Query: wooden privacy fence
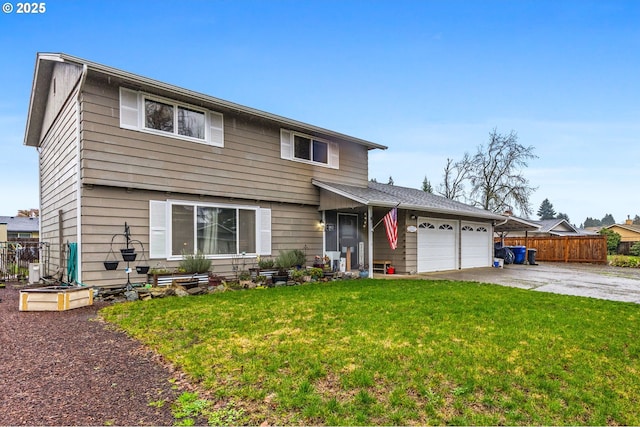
(564, 248)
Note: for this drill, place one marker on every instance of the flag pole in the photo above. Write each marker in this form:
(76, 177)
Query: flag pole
(378, 223)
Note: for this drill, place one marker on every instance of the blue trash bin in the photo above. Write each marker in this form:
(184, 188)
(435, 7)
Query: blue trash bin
(520, 253)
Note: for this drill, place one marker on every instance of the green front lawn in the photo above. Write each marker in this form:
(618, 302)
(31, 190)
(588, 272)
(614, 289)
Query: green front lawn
(382, 352)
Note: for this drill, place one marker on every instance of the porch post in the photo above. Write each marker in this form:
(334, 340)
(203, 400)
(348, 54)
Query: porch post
(370, 239)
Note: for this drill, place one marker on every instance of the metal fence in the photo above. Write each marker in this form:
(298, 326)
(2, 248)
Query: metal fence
(16, 255)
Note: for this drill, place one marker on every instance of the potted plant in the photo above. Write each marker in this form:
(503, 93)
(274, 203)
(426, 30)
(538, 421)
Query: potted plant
(318, 262)
(195, 263)
(266, 267)
(285, 261)
(196, 266)
(363, 271)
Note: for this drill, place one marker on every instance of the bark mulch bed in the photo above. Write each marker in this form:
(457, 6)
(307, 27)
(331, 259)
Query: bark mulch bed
(70, 368)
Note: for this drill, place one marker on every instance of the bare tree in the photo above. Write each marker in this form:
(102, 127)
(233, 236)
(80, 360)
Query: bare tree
(454, 176)
(497, 181)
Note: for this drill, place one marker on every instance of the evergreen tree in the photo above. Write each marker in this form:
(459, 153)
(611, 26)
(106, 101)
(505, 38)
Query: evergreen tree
(591, 222)
(546, 210)
(563, 216)
(636, 220)
(608, 220)
(426, 186)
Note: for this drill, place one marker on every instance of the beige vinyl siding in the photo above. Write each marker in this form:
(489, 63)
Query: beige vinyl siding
(64, 78)
(381, 249)
(58, 180)
(248, 166)
(105, 210)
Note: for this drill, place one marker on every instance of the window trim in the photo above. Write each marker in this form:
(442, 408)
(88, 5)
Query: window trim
(130, 97)
(287, 149)
(169, 229)
(176, 106)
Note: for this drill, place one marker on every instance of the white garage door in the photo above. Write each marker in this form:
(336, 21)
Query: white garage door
(437, 244)
(476, 243)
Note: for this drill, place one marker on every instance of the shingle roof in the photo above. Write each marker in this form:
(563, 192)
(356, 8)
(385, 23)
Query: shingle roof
(44, 70)
(20, 223)
(548, 225)
(631, 227)
(376, 194)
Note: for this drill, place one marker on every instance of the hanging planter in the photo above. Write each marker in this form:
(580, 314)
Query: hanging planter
(111, 264)
(143, 266)
(128, 254)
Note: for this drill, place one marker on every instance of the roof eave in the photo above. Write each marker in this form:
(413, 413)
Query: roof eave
(39, 89)
(479, 214)
(135, 78)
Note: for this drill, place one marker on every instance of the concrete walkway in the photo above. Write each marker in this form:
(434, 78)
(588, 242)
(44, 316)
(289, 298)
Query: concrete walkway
(596, 281)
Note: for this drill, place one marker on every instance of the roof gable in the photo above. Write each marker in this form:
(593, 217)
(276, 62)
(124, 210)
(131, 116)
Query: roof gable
(44, 70)
(634, 228)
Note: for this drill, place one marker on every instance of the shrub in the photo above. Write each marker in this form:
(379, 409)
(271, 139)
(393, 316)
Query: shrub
(625, 261)
(194, 264)
(635, 249)
(613, 240)
(266, 263)
(316, 273)
(289, 259)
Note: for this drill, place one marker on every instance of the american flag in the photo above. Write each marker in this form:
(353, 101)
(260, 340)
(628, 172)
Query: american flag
(391, 227)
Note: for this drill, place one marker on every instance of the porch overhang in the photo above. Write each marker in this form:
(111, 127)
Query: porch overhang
(389, 196)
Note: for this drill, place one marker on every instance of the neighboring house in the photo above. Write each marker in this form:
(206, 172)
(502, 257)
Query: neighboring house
(550, 227)
(629, 235)
(18, 227)
(188, 172)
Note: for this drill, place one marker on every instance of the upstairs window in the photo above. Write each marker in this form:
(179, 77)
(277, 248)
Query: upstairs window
(147, 113)
(158, 116)
(308, 149)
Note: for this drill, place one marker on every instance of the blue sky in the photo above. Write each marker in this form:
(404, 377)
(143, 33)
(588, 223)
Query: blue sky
(429, 79)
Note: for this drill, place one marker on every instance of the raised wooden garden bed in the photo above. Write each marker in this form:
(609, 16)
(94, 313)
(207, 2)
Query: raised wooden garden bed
(166, 279)
(55, 298)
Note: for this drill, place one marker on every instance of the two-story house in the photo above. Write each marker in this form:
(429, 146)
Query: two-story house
(188, 172)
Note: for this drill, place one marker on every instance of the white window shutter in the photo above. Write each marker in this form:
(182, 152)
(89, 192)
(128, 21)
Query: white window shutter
(286, 146)
(334, 155)
(216, 128)
(157, 229)
(129, 111)
(265, 231)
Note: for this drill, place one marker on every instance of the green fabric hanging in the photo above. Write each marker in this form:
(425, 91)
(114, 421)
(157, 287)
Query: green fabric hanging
(72, 263)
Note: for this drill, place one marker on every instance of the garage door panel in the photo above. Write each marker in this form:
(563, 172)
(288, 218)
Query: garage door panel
(476, 244)
(437, 244)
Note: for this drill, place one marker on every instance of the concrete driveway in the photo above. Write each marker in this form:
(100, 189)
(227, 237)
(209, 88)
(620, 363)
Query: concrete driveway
(587, 280)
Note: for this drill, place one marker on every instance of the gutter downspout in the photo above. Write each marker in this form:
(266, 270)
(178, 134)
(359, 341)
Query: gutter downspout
(40, 247)
(370, 239)
(83, 78)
